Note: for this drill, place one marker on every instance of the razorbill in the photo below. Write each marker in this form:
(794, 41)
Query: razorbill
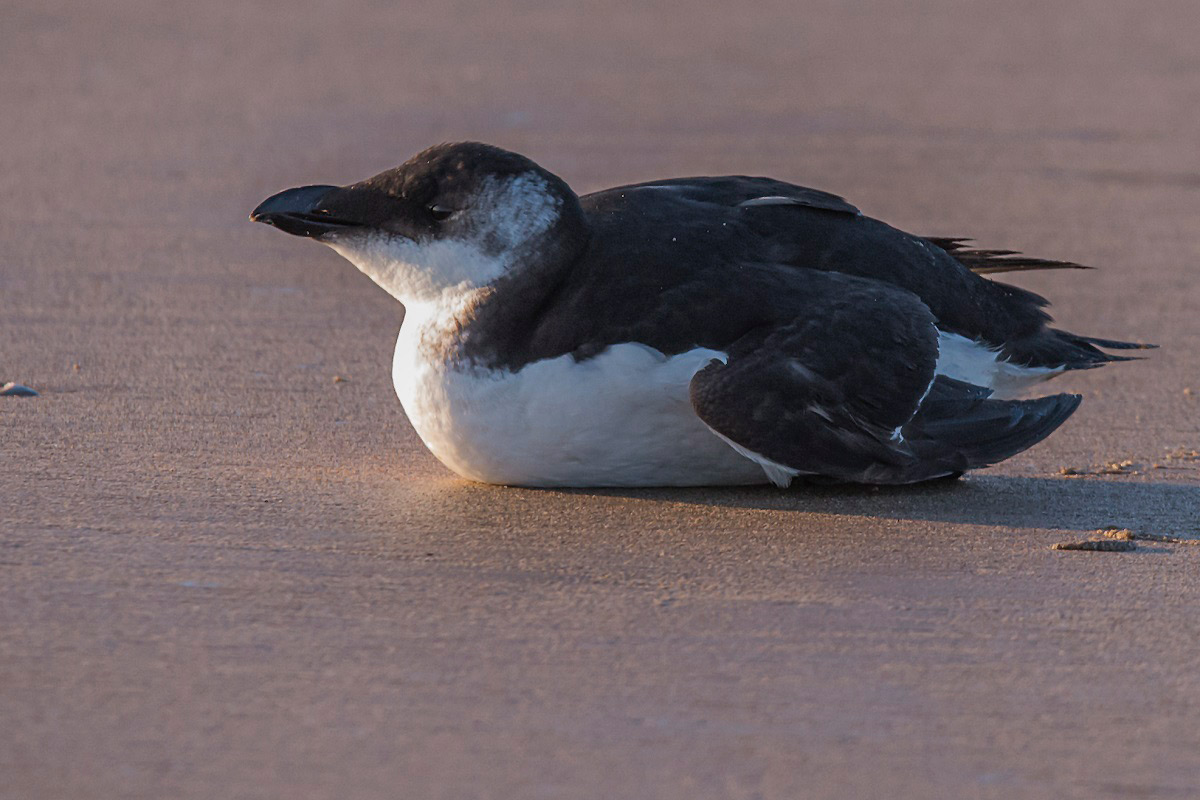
(692, 331)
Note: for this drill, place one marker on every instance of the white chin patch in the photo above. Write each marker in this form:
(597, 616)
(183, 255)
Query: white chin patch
(414, 272)
(971, 361)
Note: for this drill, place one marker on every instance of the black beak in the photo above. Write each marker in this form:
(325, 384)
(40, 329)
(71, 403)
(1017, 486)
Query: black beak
(300, 213)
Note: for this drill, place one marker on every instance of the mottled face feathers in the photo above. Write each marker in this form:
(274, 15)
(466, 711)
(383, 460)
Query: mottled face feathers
(456, 216)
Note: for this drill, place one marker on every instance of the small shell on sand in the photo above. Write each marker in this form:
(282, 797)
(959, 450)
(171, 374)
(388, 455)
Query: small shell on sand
(11, 389)
(1099, 545)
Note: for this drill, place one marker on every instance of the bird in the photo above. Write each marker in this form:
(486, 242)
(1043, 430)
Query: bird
(701, 331)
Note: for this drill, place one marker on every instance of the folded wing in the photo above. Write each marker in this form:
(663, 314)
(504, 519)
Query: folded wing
(846, 390)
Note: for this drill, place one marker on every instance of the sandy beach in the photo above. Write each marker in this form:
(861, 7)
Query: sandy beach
(228, 568)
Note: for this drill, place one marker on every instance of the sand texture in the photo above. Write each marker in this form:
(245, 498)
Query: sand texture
(224, 574)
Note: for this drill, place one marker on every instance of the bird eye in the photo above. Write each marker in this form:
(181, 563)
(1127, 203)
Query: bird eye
(441, 213)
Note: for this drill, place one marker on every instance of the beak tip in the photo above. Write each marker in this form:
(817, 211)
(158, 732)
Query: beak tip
(290, 210)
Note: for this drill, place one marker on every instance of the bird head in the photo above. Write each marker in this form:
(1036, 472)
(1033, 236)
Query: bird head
(454, 218)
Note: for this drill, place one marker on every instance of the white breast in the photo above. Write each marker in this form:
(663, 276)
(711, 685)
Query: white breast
(622, 418)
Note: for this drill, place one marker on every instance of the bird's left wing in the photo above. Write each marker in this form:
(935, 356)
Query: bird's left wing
(846, 388)
(829, 391)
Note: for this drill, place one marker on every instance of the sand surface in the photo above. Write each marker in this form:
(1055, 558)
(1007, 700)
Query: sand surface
(224, 575)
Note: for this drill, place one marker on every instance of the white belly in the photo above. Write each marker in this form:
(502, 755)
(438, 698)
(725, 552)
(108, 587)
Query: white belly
(622, 418)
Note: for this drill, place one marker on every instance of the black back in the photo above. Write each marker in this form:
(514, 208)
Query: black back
(692, 262)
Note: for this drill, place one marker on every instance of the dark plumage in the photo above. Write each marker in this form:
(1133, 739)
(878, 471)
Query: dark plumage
(831, 320)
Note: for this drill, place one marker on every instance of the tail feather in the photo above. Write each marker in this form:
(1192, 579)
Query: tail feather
(986, 262)
(1113, 344)
(1052, 347)
(959, 427)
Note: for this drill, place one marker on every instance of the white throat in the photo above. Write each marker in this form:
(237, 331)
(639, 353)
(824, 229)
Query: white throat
(420, 273)
(504, 218)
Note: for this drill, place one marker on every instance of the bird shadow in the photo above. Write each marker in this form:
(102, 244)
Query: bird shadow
(992, 500)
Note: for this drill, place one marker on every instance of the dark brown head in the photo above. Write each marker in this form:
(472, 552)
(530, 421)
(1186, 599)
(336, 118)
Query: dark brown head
(456, 216)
